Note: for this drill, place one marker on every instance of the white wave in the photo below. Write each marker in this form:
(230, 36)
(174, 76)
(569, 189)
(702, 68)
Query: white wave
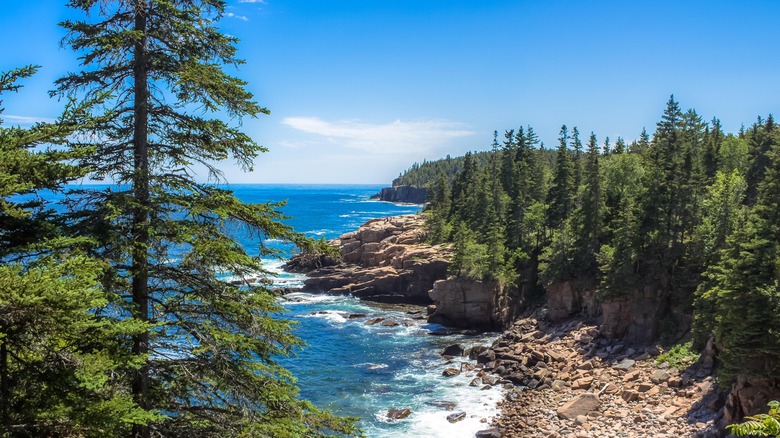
(307, 298)
(371, 366)
(332, 316)
(318, 232)
(429, 417)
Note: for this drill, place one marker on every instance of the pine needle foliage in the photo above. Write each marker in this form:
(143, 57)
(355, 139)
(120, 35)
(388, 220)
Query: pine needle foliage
(208, 351)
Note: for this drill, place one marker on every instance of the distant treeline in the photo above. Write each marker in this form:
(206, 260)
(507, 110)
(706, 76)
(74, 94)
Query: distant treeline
(690, 213)
(424, 174)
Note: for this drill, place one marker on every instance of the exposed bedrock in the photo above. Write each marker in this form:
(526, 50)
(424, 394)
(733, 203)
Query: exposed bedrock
(385, 260)
(404, 194)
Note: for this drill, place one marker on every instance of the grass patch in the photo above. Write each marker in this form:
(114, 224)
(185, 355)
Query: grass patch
(680, 356)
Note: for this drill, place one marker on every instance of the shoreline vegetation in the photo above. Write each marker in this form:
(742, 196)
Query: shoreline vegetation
(605, 264)
(114, 316)
(666, 243)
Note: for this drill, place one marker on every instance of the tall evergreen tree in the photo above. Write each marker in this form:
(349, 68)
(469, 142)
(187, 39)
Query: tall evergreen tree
(206, 353)
(560, 197)
(620, 146)
(762, 136)
(592, 206)
(642, 144)
(57, 355)
(745, 292)
(576, 146)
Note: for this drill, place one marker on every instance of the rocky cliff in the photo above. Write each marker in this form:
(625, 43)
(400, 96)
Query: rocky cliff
(404, 194)
(385, 260)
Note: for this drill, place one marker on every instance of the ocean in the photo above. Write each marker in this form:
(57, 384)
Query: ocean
(355, 369)
(360, 370)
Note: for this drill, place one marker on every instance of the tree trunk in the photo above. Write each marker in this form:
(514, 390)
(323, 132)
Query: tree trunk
(140, 226)
(4, 387)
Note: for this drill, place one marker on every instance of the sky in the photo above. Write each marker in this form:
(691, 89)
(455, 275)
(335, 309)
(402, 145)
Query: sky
(360, 89)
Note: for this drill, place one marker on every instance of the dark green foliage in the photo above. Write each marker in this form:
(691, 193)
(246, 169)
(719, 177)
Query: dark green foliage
(425, 175)
(59, 354)
(744, 286)
(693, 214)
(206, 350)
(560, 198)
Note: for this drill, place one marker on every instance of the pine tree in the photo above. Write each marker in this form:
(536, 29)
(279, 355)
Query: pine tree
(620, 146)
(57, 355)
(560, 197)
(640, 147)
(592, 208)
(576, 146)
(761, 137)
(437, 220)
(207, 354)
(713, 140)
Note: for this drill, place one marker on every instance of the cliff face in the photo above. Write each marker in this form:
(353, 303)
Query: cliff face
(405, 194)
(466, 303)
(385, 260)
(638, 318)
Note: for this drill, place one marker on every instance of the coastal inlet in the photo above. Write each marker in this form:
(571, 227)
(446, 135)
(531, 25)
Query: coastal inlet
(366, 370)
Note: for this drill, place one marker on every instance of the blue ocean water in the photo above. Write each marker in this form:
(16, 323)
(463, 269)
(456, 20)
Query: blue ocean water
(360, 370)
(352, 368)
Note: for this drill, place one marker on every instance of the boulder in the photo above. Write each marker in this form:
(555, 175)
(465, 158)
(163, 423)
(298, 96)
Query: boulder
(457, 416)
(444, 404)
(624, 365)
(486, 356)
(489, 433)
(450, 372)
(579, 405)
(398, 414)
(660, 376)
(453, 350)
(465, 303)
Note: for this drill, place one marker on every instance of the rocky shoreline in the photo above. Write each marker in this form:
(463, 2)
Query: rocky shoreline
(385, 260)
(565, 374)
(566, 380)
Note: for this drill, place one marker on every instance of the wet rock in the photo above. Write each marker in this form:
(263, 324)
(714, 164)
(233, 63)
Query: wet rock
(489, 433)
(374, 321)
(457, 416)
(444, 404)
(450, 372)
(453, 350)
(356, 315)
(390, 323)
(486, 356)
(475, 351)
(398, 414)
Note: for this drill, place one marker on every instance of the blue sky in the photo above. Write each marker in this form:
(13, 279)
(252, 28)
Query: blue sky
(360, 89)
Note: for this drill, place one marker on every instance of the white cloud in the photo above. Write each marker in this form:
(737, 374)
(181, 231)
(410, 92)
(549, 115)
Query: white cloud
(240, 17)
(397, 137)
(24, 120)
